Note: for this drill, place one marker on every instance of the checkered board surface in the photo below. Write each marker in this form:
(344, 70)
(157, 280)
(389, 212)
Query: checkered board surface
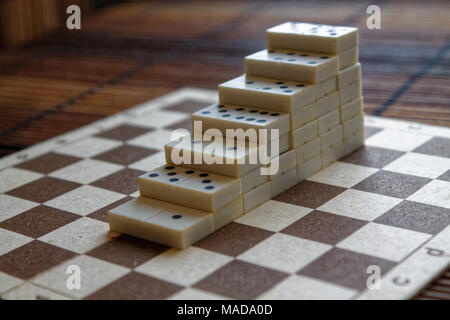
(387, 204)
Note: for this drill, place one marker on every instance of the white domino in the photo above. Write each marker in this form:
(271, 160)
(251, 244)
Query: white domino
(312, 37)
(228, 213)
(327, 103)
(252, 180)
(307, 151)
(284, 181)
(188, 187)
(265, 93)
(331, 138)
(227, 157)
(325, 87)
(332, 154)
(328, 121)
(292, 65)
(354, 124)
(286, 161)
(224, 117)
(304, 134)
(284, 144)
(303, 115)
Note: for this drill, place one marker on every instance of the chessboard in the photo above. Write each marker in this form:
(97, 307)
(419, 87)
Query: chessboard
(382, 212)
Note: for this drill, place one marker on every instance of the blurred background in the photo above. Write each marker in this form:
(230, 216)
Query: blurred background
(53, 80)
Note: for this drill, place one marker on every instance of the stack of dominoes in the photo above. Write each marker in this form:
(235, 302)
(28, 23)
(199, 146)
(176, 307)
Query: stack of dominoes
(306, 86)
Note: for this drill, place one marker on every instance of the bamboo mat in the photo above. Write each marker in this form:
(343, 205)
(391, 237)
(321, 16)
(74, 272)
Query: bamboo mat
(135, 52)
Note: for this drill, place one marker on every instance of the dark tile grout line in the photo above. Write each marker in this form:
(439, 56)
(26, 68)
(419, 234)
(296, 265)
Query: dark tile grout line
(413, 78)
(172, 53)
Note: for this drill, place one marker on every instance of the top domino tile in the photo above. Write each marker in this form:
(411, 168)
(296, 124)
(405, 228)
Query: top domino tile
(292, 65)
(312, 37)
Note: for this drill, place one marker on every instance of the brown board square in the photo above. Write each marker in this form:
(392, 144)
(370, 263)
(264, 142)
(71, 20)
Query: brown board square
(392, 184)
(416, 216)
(344, 267)
(43, 189)
(48, 162)
(38, 221)
(136, 286)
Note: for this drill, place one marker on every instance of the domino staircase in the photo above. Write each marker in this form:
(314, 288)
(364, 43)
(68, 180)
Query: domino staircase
(307, 84)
